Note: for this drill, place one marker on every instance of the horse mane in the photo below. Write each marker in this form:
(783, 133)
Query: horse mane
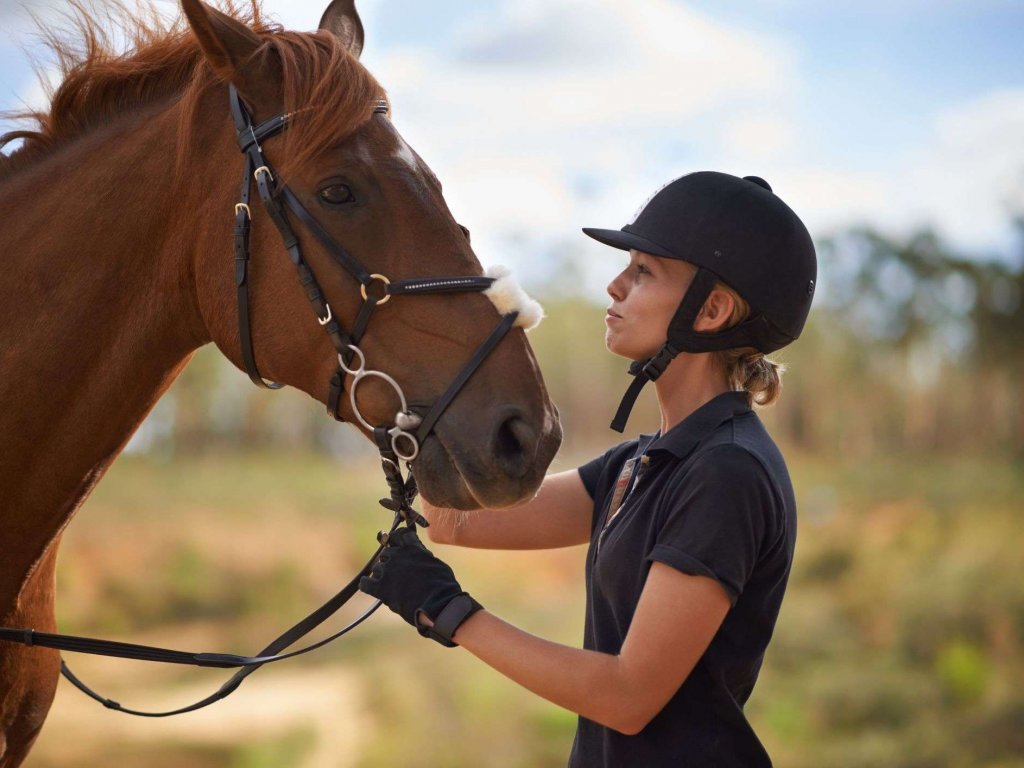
(163, 62)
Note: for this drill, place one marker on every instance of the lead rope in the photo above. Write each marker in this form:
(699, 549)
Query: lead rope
(403, 493)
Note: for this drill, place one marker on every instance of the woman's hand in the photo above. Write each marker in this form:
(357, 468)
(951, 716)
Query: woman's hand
(419, 587)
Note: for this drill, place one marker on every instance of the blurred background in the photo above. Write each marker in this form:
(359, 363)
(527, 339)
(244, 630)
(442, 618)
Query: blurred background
(895, 129)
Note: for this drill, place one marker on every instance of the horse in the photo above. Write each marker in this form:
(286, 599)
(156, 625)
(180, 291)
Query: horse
(116, 267)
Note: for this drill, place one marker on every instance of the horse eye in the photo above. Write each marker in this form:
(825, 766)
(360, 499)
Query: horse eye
(466, 233)
(336, 194)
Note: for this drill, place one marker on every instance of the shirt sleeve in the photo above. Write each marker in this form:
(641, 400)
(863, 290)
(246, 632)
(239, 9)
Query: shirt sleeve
(718, 518)
(590, 473)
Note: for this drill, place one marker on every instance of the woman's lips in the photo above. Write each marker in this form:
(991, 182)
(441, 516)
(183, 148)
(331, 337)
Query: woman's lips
(612, 317)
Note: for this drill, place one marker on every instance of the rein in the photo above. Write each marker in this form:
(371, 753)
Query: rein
(395, 444)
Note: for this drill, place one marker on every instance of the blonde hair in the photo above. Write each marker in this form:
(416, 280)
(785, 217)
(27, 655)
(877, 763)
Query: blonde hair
(746, 369)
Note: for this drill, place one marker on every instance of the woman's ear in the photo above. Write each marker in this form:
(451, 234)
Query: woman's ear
(716, 313)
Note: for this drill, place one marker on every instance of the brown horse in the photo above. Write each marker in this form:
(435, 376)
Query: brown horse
(117, 265)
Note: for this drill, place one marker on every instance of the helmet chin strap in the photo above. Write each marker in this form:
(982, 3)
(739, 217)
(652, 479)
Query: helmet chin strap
(682, 338)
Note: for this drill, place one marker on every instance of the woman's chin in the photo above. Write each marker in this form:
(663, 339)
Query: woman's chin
(618, 348)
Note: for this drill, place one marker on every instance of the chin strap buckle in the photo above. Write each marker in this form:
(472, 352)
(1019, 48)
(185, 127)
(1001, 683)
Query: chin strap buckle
(656, 366)
(644, 371)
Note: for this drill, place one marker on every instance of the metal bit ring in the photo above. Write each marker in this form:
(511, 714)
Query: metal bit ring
(363, 376)
(397, 436)
(405, 418)
(362, 362)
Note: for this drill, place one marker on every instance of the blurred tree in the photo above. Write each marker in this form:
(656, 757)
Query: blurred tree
(943, 334)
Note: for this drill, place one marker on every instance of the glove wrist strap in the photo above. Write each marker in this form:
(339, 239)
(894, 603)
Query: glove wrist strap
(451, 618)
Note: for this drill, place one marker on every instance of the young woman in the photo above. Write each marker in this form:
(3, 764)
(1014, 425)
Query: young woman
(691, 530)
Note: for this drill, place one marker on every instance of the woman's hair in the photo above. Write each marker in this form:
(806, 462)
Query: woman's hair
(746, 369)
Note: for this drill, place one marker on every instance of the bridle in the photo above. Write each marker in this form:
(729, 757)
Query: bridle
(397, 443)
(278, 202)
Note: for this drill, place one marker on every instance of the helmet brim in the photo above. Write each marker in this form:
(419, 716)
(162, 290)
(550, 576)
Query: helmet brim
(627, 241)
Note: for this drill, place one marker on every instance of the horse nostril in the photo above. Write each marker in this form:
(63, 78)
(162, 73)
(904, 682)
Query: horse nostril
(514, 444)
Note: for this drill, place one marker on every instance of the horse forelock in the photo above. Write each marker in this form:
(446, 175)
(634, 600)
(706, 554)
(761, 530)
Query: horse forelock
(331, 93)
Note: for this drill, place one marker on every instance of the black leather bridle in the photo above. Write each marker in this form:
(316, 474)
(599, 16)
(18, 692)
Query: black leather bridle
(397, 443)
(278, 202)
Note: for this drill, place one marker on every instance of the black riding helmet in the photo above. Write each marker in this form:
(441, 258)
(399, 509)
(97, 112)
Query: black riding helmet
(734, 230)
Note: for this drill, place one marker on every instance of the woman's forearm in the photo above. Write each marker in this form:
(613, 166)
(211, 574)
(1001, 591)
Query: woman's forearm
(585, 682)
(558, 516)
(443, 522)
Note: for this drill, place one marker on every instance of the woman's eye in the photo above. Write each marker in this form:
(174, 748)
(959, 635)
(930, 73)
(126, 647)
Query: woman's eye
(642, 270)
(336, 194)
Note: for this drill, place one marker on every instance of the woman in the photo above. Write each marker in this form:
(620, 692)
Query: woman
(691, 530)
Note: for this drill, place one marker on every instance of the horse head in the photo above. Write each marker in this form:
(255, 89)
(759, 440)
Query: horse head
(343, 162)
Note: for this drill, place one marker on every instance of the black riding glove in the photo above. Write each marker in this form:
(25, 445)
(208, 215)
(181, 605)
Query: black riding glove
(408, 579)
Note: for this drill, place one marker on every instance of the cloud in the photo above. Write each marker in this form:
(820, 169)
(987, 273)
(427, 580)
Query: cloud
(764, 135)
(593, 64)
(965, 178)
(969, 175)
(548, 116)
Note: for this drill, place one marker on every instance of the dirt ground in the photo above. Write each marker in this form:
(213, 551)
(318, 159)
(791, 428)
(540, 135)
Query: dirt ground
(316, 713)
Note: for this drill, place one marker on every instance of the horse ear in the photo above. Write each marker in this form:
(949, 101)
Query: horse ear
(228, 45)
(342, 20)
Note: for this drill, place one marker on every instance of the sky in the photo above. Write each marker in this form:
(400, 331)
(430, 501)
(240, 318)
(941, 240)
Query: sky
(544, 116)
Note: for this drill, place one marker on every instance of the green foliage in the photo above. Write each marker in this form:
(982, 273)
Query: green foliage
(963, 670)
(286, 751)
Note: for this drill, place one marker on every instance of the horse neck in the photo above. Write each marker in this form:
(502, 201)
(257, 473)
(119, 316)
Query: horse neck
(97, 317)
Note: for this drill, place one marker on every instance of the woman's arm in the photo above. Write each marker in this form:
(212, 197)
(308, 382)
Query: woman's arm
(558, 516)
(675, 620)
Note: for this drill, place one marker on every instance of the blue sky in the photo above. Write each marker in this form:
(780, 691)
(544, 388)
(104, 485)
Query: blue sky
(544, 116)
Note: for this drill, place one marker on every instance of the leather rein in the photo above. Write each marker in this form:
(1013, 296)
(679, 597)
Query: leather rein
(397, 443)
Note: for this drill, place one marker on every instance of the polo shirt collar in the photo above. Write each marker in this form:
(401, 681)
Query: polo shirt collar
(687, 434)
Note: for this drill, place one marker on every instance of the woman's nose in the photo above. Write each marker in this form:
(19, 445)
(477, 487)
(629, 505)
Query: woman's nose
(615, 287)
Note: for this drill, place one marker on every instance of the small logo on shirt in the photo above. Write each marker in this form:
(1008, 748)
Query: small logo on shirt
(622, 485)
(620, 489)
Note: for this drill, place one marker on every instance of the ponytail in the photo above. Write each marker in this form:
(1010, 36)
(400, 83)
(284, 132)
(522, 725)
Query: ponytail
(746, 369)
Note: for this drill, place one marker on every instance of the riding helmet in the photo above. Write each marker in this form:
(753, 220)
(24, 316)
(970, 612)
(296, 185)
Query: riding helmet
(732, 229)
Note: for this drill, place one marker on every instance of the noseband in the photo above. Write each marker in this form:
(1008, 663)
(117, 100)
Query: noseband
(278, 200)
(396, 443)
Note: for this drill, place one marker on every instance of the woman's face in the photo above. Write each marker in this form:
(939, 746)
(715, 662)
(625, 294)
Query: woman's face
(645, 296)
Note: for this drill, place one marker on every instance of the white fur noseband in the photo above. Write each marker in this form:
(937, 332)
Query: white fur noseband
(508, 296)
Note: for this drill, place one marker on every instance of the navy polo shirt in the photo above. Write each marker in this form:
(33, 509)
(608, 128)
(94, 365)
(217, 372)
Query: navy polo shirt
(710, 497)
